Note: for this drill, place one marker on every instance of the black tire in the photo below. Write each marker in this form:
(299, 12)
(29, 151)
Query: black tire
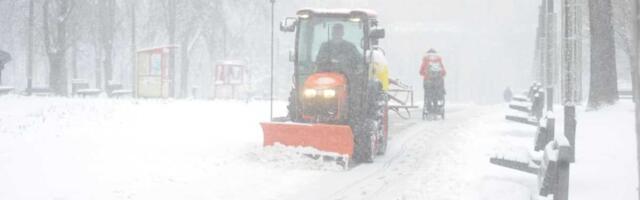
(367, 145)
(370, 136)
(370, 131)
(385, 138)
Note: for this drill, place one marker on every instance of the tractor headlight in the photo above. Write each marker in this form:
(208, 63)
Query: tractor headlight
(329, 93)
(310, 93)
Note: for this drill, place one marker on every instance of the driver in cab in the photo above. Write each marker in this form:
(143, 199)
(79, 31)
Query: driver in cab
(338, 54)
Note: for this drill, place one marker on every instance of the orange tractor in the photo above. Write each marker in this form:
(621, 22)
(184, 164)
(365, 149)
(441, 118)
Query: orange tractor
(339, 103)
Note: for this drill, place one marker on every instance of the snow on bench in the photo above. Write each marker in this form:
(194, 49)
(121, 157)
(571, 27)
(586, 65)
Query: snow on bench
(89, 92)
(121, 93)
(625, 94)
(39, 91)
(533, 110)
(5, 90)
(558, 153)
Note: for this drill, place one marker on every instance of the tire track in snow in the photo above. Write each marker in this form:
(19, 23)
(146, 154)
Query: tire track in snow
(365, 181)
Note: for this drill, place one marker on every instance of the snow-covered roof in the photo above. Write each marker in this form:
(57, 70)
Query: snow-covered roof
(339, 11)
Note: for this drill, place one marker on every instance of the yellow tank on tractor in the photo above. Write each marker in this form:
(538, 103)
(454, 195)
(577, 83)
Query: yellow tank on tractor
(338, 103)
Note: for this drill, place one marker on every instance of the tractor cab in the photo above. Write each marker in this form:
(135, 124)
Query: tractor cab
(332, 40)
(331, 46)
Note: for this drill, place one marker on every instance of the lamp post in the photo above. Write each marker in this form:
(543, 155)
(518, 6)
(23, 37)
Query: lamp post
(273, 3)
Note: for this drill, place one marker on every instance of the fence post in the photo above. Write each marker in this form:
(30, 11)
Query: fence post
(561, 191)
(549, 99)
(570, 124)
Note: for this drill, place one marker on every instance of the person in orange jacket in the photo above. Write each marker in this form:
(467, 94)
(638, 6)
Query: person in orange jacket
(433, 72)
(432, 62)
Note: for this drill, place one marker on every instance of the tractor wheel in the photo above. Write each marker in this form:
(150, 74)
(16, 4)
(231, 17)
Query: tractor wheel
(372, 134)
(366, 142)
(385, 134)
(375, 126)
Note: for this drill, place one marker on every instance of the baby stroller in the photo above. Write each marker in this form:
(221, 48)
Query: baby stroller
(434, 101)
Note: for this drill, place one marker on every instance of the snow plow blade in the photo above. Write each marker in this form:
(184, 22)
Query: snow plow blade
(324, 137)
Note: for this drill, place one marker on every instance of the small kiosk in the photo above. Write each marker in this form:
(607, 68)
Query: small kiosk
(152, 72)
(231, 78)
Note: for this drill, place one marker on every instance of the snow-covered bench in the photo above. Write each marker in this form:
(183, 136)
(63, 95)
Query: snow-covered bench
(5, 90)
(88, 92)
(625, 94)
(558, 153)
(552, 169)
(121, 93)
(545, 132)
(533, 110)
(78, 84)
(39, 91)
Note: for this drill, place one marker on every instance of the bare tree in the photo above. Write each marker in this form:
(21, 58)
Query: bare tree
(55, 20)
(106, 17)
(190, 28)
(170, 7)
(624, 26)
(603, 83)
(133, 42)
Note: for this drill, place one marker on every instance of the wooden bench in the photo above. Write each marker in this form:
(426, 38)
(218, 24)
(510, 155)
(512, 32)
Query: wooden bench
(39, 91)
(121, 93)
(5, 90)
(77, 85)
(625, 94)
(534, 111)
(558, 153)
(88, 92)
(552, 170)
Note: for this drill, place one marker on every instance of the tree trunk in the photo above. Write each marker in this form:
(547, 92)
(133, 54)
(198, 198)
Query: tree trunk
(133, 47)
(30, 47)
(172, 41)
(74, 60)
(604, 81)
(184, 73)
(107, 26)
(98, 67)
(55, 33)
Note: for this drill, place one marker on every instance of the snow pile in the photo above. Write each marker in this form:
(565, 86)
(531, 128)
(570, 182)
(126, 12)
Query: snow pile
(283, 157)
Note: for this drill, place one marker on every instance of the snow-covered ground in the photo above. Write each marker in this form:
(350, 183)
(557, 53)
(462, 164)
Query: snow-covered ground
(58, 148)
(606, 159)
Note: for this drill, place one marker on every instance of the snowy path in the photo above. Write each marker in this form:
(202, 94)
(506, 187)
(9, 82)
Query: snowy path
(429, 160)
(53, 148)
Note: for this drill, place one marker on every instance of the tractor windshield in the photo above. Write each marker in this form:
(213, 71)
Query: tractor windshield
(328, 44)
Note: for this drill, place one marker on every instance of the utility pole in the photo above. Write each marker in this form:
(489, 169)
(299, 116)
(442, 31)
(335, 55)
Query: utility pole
(273, 3)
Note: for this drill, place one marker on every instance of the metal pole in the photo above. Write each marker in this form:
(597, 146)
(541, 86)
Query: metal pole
(273, 3)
